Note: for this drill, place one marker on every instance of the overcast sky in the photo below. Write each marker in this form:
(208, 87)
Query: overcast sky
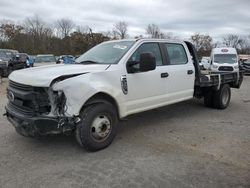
(182, 17)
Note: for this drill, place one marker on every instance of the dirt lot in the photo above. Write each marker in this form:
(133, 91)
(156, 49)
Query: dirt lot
(182, 145)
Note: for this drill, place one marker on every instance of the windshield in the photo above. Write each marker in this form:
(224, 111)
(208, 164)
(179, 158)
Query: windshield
(106, 53)
(5, 55)
(225, 58)
(40, 59)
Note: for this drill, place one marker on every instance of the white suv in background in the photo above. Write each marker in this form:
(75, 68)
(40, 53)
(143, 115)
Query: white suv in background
(224, 60)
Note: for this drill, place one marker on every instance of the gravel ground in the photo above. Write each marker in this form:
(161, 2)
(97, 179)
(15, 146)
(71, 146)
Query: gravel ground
(182, 145)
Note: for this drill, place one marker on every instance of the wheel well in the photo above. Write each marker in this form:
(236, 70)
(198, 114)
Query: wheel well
(102, 98)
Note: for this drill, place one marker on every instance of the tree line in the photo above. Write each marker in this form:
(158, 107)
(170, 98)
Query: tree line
(34, 36)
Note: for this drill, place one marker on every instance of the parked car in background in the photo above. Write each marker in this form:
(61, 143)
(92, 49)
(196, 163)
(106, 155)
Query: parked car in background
(223, 60)
(205, 62)
(33, 57)
(44, 59)
(7, 61)
(66, 59)
(59, 60)
(20, 59)
(29, 61)
(245, 66)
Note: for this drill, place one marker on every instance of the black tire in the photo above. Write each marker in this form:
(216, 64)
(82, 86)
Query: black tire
(101, 116)
(222, 97)
(208, 99)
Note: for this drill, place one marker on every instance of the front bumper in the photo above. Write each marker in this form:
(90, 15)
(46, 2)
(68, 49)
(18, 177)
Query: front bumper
(30, 111)
(246, 70)
(3, 67)
(32, 126)
(3, 64)
(37, 125)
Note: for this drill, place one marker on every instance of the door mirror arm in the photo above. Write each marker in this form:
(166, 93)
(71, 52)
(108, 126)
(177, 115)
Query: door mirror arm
(147, 63)
(131, 68)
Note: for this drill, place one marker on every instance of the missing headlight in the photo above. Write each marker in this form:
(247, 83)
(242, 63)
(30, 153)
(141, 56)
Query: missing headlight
(61, 102)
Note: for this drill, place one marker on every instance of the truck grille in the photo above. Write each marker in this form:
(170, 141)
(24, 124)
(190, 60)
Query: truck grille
(20, 110)
(27, 100)
(20, 86)
(226, 68)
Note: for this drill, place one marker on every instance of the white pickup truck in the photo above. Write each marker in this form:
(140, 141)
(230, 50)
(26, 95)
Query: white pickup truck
(109, 82)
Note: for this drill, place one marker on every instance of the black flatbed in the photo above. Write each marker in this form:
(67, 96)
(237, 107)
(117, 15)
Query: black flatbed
(209, 79)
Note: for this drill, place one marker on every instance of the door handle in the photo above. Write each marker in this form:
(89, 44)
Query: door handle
(190, 72)
(164, 75)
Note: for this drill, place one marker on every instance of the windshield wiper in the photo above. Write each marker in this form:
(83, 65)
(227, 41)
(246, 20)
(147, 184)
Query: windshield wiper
(88, 62)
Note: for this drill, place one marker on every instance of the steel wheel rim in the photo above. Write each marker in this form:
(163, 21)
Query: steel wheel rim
(100, 128)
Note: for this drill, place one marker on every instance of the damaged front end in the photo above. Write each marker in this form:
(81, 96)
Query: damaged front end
(38, 110)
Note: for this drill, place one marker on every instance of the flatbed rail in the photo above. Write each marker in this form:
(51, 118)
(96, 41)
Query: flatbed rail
(216, 79)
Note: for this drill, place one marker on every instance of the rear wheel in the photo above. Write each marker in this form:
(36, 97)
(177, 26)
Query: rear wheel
(98, 126)
(222, 97)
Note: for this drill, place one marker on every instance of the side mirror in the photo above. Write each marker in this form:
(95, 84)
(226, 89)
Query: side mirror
(147, 62)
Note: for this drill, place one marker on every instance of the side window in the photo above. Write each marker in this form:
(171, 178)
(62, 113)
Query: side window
(176, 54)
(148, 47)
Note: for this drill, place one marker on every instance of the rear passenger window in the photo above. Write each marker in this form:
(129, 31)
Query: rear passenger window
(148, 47)
(176, 54)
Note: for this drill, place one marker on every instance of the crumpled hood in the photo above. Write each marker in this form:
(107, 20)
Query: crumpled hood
(43, 76)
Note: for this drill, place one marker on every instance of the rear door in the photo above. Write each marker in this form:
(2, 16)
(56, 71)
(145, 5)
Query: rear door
(180, 82)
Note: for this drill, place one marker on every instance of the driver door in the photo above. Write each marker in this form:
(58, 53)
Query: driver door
(146, 90)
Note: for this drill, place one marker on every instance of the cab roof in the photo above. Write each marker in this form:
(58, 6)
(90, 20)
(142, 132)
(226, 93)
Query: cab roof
(225, 50)
(146, 40)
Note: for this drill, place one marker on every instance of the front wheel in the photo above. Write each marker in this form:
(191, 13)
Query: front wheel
(98, 126)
